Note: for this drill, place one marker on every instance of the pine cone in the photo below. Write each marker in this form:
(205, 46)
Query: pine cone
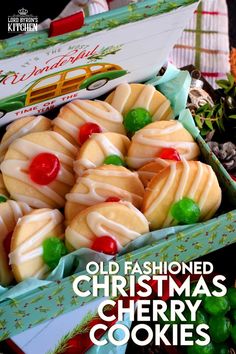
(226, 153)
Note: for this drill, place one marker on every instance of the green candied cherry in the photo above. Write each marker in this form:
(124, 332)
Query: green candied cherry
(114, 160)
(199, 349)
(233, 333)
(185, 211)
(221, 348)
(219, 328)
(231, 294)
(216, 306)
(136, 119)
(3, 199)
(53, 250)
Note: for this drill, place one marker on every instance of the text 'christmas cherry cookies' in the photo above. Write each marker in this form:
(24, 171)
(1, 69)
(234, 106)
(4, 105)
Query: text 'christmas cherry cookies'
(99, 184)
(77, 113)
(127, 97)
(27, 244)
(118, 220)
(148, 143)
(10, 213)
(21, 127)
(38, 169)
(100, 149)
(183, 193)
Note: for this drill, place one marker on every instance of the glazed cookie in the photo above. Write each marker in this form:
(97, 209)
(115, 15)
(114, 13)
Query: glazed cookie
(10, 213)
(186, 181)
(21, 127)
(99, 147)
(38, 169)
(76, 113)
(99, 184)
(3, 192)
(148, 171)
(121, 221)
(148, 143)
(128, 96)
(27, 239)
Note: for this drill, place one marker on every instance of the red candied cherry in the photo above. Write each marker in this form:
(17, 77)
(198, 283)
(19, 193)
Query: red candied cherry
(7, 243)
(169, 154)
(113, 199)
(86, 130)
(44, 168)
(105, 244)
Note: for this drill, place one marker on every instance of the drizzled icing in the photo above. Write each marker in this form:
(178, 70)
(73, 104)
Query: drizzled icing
(21, 253)
(107, 148)
(123, 93)
(18, 169)
(17, 210)
(151, 138)
(181, 191)
(92, 196)
(101, 225)
(87, 111)
(106, 145)
(29, 126)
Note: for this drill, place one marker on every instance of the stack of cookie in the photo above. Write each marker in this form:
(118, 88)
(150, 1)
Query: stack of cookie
(98, 176)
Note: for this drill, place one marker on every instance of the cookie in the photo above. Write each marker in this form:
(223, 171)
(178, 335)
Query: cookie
(76, 113)
(148, 171)
(121, 220)
(98, 184)
(128, 96)
(101, 145)
(10, 213)
(184, 179)
(38, 169)
(26, 244)
(3, 192)
(21, 127)
(148, 143)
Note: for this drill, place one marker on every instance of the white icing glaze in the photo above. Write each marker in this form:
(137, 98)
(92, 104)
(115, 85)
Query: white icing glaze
(121, 96)
(165, 189)
(68, 127)
(36, 203)
(18, 169)
(92, 197)
(106, 145)
(145, 97)
(181, 190)
(149, 137)
(197, 180)
(107, 148)
(100, 226)
(110, 172)
(87, 112)
(138, 212)
(74, 237)
(81, 164)
(17, 210)
(136, 162)
(161, 110)
(19, 133)
(207, 188)
(21, 254)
